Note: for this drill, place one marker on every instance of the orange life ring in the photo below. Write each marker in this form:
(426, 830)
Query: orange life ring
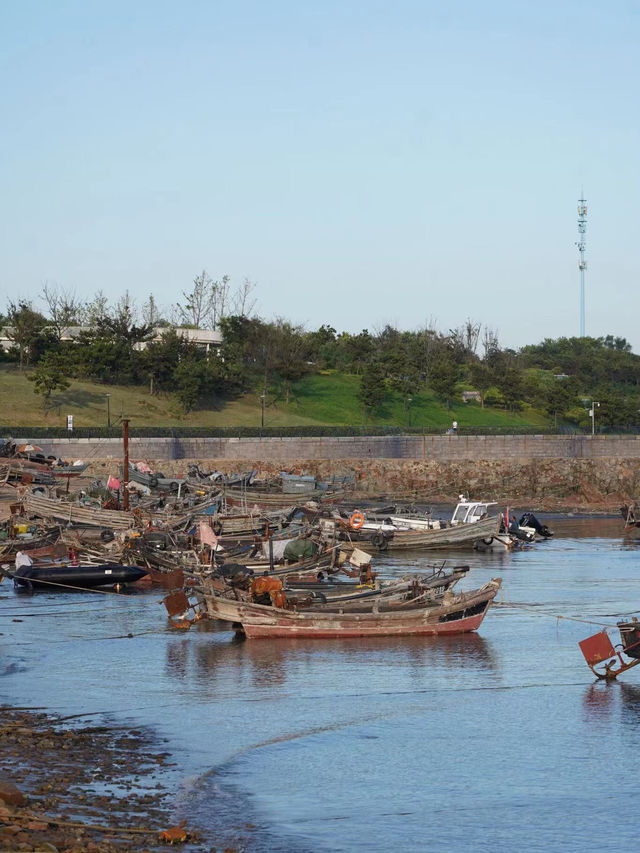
(356, 520)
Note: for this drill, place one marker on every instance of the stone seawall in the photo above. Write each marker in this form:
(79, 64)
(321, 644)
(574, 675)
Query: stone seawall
(551, 484)
(442, 448)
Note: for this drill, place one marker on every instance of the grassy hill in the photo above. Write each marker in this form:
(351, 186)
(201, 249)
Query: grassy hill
(324, 398)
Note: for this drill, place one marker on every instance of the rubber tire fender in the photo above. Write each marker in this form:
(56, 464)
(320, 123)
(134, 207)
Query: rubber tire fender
(107, 535)
(380, 541)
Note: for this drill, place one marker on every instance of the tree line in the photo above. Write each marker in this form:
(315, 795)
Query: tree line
(118, 343)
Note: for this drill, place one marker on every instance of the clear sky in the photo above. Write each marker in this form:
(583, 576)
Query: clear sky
(363, 162)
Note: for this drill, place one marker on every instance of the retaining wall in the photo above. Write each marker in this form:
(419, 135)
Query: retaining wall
(441, 448)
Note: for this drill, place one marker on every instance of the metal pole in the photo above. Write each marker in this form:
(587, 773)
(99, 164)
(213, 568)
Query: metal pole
(125, 478)
(582, 246)
(262, 418)
(109, 411)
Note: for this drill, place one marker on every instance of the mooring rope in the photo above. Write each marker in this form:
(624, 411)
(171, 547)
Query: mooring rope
(554, 615)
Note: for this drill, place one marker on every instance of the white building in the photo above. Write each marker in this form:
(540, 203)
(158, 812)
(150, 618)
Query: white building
(205, 338)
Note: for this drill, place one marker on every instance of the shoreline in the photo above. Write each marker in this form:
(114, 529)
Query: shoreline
(88, 788)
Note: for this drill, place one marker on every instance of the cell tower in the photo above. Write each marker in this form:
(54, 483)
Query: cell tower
(582, 246)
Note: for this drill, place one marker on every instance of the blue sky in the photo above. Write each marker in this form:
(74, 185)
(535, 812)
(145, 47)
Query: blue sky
(362, 162)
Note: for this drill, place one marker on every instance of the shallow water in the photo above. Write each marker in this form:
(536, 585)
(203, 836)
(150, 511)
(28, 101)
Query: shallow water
(495, 741)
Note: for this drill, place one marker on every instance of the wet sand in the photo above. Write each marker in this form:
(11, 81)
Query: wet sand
(98, 789)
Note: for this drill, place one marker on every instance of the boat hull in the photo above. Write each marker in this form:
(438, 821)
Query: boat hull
(86, 577)
(456, 536)
(460, 614)
(260, 632)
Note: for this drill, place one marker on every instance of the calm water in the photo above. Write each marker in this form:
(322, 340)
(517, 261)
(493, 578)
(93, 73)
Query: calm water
(497, 741)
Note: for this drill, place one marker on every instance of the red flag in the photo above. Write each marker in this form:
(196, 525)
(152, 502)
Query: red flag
(113, 483)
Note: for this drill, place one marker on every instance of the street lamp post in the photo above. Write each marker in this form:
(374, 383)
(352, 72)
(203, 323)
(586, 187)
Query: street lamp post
(592, 412)
(108, 396)
(409, 399)
(262, 410)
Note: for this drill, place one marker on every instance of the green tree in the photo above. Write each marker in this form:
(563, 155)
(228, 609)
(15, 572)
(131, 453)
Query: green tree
(558, 397)
(27, 329)
(510, 383)
(443, 378)
(481, 378)
(291, 353)
(162, 357)
(355, 351)
(372, 391)
(49, 376)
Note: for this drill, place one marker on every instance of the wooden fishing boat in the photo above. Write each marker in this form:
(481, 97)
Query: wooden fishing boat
(73, 512)
(339, 596)
(454, 614)
(74, 470)
(404, 595)
(30, 544)
(455, 536)
(249, 499)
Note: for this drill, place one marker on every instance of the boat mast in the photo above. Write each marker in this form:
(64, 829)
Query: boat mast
(125, 477)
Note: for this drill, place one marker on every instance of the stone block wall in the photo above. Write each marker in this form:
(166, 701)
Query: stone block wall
(433, 447)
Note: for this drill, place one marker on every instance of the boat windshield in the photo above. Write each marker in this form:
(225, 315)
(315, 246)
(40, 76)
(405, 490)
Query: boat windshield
(460, 514)
(466, 513)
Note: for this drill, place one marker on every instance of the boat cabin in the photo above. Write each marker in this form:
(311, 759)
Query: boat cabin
(467, 511)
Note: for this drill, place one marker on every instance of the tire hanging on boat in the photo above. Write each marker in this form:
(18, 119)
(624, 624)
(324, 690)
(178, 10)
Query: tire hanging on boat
(380, 541)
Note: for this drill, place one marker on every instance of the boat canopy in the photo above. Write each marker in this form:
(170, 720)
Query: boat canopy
(470, 511)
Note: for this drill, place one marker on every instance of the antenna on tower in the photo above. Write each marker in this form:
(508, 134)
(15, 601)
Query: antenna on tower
(582, 246)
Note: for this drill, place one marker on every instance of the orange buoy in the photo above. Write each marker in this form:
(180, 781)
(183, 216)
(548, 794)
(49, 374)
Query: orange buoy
(356, 520)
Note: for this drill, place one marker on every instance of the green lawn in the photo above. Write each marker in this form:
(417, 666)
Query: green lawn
(327, 398)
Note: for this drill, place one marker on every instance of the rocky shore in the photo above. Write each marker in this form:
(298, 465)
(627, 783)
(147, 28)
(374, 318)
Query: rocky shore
(540, 485)
(77, 788)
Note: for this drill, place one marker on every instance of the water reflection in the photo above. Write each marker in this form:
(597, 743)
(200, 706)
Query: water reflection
(271, 663)
(593, 527)
(177, 658)
(598, 701)
(630, 703)
(619, 701)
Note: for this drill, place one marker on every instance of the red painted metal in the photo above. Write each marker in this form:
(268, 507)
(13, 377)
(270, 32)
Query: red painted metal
(597, 648)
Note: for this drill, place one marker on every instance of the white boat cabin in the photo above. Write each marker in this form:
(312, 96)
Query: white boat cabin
(466, 512)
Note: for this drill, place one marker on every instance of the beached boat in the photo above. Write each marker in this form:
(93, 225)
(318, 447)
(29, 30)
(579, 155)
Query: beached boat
(454, 614)
(40, 539)
(74, 470)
